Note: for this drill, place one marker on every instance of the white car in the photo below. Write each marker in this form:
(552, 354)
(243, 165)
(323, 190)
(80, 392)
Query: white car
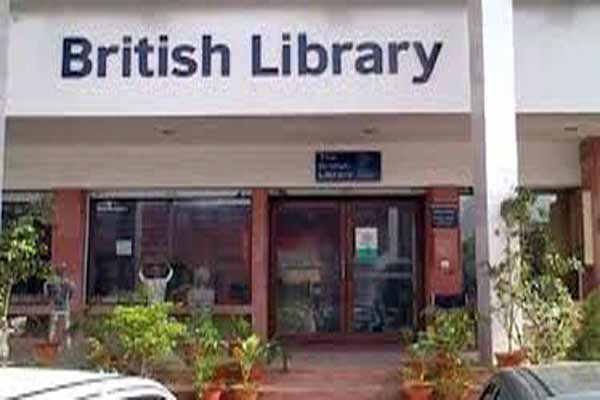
(53, 384)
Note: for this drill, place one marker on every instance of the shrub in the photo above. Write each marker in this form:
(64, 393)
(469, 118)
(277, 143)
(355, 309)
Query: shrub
(453, 331)
(23, 254)
(587, 342)
(529, 283)
(131, 338)
(550, 319)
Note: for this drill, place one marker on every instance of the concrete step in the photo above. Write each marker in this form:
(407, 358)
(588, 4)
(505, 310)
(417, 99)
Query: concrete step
(327, 383)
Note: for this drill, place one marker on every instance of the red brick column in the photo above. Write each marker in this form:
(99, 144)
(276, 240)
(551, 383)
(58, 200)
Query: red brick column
(68, 238)
(590, 181)
(443, 268)
(260, 261)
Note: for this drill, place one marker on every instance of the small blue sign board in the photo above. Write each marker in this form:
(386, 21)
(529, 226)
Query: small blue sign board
(444, 216)
(348, 166)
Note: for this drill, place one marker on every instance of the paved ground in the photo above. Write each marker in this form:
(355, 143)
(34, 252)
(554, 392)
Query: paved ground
(337, 372)
(344, 372)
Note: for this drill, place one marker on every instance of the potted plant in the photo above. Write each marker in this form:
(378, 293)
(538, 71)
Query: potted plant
(210, 348)
(506, 277)
(247, 352)
(23, 255)
(530, 286)
(452, 333)
(207, 384)
(131, 338)
(416, 383)
(45, 353)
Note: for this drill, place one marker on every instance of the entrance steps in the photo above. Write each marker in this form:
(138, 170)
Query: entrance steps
(342, 384)
(334, 372)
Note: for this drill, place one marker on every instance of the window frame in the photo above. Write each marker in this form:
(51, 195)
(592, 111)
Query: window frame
(236, 197)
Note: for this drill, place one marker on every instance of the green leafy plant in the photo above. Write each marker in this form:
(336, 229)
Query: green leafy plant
(247, 352)
(23, 254)
(131, 338)
(210, 347)
(436, 357)
(529, 283)
(587, 341)
(420, 354)
(453, 331)
(516, 213)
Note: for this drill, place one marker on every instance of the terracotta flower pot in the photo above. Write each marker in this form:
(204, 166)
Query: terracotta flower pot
(211, 392)
(417, 390)
(226, 372)
(512, 359)
(45, 353)
(258, 373)
(245, 394)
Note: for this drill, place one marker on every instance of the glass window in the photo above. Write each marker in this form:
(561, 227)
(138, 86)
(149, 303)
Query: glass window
(202, 246)
(467, 232)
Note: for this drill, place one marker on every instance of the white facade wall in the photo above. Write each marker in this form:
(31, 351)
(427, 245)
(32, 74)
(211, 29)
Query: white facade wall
(556, 70)
(543, 164)
(556, 59)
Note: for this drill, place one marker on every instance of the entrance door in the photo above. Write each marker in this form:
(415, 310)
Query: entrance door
(382, 266)
(343, 267)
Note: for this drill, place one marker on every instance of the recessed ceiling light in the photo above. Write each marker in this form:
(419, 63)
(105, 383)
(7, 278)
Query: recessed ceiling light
(369, 131)
(167, 131)
(571, 128)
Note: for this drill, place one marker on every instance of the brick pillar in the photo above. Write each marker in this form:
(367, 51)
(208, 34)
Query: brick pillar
(590, 181)
(443, 268)
(260, 261)
(68, 238)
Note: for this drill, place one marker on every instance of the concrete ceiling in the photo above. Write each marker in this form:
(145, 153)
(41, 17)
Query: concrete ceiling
(278, 131)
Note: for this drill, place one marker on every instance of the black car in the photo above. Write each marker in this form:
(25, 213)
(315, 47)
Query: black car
(579, 381)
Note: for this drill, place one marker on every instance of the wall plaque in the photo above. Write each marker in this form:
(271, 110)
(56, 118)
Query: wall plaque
(444, 216)
(348, 166)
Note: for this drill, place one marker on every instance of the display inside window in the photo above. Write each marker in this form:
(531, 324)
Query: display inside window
(194, 252)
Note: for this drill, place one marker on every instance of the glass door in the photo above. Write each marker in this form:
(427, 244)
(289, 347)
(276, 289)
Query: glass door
(342, 267)
(307, 260)
(382, 264)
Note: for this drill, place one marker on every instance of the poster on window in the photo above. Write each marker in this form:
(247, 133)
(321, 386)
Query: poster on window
(366, 244)
(124, 248)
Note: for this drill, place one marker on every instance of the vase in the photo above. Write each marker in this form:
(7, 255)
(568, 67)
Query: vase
(213, 392)
(45, 353)
(511, 359)
(417, 390)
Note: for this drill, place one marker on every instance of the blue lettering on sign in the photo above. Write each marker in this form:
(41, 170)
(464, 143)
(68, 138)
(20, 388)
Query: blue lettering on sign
(148, 58)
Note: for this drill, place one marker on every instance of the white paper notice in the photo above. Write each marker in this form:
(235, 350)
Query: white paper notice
(366, 243)
(124, 248)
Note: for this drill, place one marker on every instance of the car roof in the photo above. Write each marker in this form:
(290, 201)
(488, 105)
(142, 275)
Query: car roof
(37, 383)
(562, 381)
(568, 378)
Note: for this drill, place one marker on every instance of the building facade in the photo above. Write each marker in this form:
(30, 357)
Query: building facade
(310, 167)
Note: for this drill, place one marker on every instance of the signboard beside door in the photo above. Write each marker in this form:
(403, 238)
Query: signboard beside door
(444, 216)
